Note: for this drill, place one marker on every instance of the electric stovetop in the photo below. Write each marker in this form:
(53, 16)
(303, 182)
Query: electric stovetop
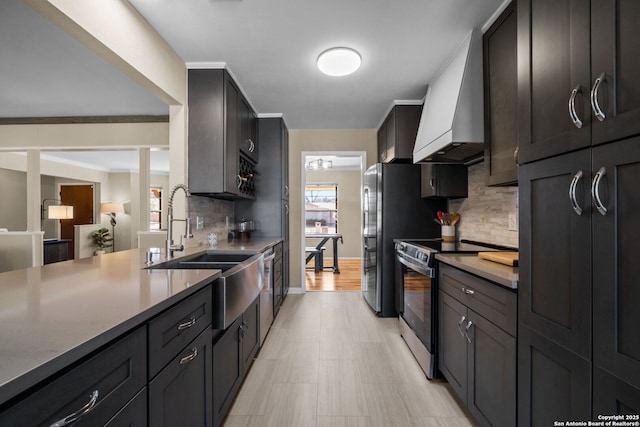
(461, 246)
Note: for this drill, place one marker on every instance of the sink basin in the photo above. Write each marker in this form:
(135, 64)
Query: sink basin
(239, 285)
(222, 262)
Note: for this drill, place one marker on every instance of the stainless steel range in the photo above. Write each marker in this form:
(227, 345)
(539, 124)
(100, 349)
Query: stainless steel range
(417, 290)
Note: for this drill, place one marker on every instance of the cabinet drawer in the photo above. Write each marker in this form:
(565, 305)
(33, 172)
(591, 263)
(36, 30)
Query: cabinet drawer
(497, 304)
(99, 387)
(171, 331)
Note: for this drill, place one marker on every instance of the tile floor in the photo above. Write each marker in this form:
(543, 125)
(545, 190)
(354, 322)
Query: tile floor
(329, 362)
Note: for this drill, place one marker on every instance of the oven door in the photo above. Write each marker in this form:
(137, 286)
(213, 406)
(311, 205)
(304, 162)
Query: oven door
(416, 309)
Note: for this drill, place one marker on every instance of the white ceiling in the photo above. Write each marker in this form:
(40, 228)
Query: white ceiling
(270, 46)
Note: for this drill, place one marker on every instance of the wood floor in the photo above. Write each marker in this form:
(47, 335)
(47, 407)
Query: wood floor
(328, 361)
(349, 279)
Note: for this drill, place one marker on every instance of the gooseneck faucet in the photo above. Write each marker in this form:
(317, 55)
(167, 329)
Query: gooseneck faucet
(171, 247)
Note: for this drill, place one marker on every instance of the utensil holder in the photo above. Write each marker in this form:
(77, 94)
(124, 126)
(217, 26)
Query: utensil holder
(449, 233)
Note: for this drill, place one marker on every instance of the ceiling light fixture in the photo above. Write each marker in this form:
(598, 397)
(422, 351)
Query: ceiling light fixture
(319, 164)
(339, 61)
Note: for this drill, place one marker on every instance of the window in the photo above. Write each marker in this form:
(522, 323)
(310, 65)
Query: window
(321, 208)
(155, 209)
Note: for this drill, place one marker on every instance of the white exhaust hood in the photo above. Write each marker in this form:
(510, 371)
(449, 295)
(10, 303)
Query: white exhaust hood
(451, 128)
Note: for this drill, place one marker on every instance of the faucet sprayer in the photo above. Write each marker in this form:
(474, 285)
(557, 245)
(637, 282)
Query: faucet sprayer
(187, 232)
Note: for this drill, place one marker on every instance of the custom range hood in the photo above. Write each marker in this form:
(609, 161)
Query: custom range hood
(451, 128)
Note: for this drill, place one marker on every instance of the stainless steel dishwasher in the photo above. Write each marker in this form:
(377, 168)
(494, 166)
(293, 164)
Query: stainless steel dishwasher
(266, 295)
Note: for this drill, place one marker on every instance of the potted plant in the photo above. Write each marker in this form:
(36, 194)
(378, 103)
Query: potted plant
(102, 239)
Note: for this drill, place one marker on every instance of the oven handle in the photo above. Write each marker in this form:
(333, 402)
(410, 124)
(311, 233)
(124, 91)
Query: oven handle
(427, 271)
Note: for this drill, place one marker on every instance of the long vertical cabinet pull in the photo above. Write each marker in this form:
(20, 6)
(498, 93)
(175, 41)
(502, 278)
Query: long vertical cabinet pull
(466, 332)
(462, 319)
(595, 106)
(572, 107)
(572, 192)
(595, 190)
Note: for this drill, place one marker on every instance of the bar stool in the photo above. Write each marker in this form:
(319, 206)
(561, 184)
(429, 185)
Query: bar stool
(318, 258)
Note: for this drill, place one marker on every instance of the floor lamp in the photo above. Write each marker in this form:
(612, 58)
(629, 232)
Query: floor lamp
(112, 209)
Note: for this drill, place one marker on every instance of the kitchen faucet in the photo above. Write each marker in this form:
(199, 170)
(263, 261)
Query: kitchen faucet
(171, 247)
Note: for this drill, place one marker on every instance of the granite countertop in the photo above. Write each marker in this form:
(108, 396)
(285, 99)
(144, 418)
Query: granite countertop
(498, 273)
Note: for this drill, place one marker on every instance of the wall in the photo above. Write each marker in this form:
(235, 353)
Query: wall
(13, 193)
(323, 141)
(349, 210)
(485, 213)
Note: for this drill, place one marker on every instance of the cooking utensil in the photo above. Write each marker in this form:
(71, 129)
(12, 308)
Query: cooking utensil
(455, 218)
(440, 216)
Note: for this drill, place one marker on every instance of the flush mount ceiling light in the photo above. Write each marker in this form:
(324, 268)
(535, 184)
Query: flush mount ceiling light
(319, 164)
(339, 61)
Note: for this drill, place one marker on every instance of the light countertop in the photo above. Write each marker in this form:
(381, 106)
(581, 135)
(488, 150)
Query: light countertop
(51, 316)
(498, 273)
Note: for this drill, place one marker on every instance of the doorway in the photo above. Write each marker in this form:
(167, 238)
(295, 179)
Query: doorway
(81, 197)
(331, 229)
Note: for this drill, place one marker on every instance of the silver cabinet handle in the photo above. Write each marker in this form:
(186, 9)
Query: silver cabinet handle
(286, 206)
(462, 319)
(468, 291)
(515, 155)
(594, 97)
(595, 190)
(466, 331)
(188, 358)
(572, 107)
(69, 419)
(432, 184)
(239, 181)
(286, 190)
(187, 325)
(572, 192)
(252, 146)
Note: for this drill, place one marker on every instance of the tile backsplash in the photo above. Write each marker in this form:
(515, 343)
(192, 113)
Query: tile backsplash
(485, 212)
(214, 213)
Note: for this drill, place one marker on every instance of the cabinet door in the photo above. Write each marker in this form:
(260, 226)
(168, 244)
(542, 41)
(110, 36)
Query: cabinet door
(390, 134)
(491, 366)
(232, 129)
(132, 415)
(285, 162)
(554, 384)
(250, 334)
(612, 396)
(181, 393)
(501, 99)
(447, 181)
(382, 142)
(554, 288)
(407, 119)
(452, 348)
(248, 124)
(227, 371)
(614, 53)
(616, 270)
(553, 59)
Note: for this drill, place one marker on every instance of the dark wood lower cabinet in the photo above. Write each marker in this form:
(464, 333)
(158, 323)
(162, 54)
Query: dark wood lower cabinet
(180, 395)
(554, 384)
(132, 415)
(477, 357)
(233, 354)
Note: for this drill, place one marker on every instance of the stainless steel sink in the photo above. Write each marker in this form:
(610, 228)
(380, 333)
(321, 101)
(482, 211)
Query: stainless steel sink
(239, 285)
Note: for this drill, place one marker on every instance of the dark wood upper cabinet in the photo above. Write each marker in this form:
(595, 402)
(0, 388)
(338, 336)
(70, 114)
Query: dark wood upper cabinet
(614, 53)
(553, 60)
(501, 100)
(220, 123)
(443, 181)
(397, 135)
(578, 73)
